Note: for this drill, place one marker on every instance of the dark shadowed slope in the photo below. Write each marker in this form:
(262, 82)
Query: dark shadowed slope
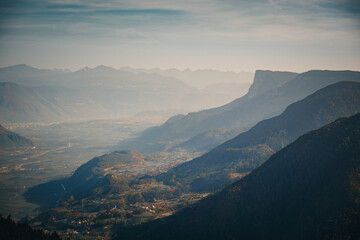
(10, 230)
(11, 139)
(308, 190)
(242, 154)
(84, 180)
(269, 95)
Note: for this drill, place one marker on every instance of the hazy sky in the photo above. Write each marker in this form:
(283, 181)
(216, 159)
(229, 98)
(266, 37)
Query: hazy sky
(218, 34)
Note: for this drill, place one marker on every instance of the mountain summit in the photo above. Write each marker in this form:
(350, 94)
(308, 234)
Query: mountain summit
(268, 80)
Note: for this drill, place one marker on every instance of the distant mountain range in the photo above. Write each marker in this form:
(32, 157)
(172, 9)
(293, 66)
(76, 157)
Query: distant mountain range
(268, 96)
(85, 179)
(247, 151)
(308, 190)
(203, 78)
(11, 139)
(39, 95)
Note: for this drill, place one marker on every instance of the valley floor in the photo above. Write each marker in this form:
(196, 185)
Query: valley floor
(60, 149)
(132, 197)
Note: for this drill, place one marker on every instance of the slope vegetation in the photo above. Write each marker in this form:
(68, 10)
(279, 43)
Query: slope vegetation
(308, 190)
(84, 180)
(250, 149)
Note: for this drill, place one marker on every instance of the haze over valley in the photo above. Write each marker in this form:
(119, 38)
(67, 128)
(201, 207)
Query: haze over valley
(185, 120)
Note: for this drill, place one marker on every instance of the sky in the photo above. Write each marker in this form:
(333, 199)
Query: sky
(228, 35)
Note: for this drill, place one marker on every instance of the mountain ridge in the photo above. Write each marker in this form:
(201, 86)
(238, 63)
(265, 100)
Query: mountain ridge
(242, 113)
(250, 149)
(308, 190)
(104, 91)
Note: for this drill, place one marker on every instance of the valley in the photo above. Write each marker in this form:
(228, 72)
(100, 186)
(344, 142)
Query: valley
(59, 149)
(180, 120)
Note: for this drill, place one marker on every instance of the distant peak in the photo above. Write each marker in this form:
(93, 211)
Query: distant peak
(85, 69)
(21, 66)
(102, 67)
(260, 71)
(329, 72)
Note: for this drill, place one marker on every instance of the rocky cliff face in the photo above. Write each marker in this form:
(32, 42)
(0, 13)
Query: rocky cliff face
(267, 80)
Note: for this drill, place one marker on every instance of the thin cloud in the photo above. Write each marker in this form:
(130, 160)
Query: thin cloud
(188, 27)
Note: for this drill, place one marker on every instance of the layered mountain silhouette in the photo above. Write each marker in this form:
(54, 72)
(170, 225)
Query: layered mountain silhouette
(226, 85)
(250, 149)
(227, 162)
(41, 95)
(200, 78)
(308, 190)
(11, 139)
(85, 179)
(269, 95)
